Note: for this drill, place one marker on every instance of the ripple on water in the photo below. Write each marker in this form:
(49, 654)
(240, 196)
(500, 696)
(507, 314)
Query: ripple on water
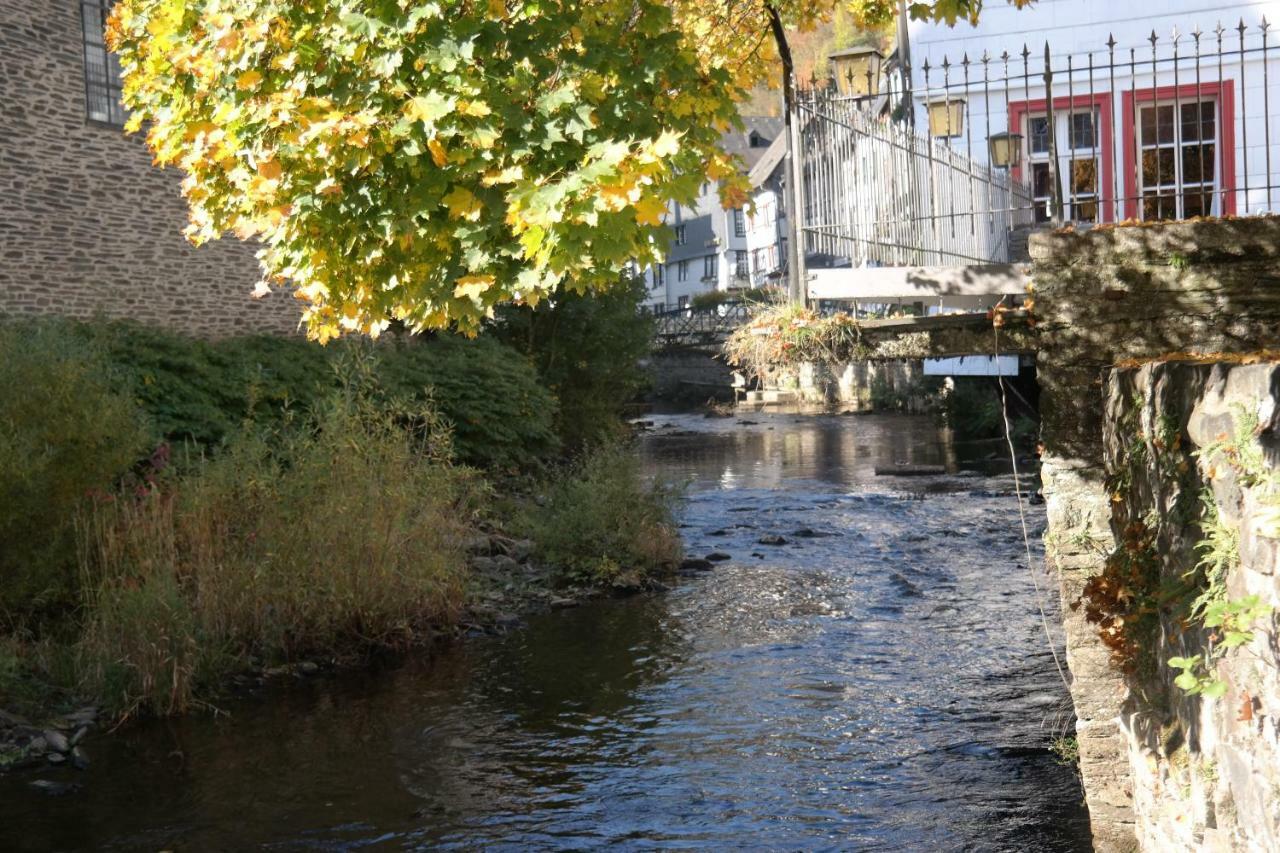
(882, 686)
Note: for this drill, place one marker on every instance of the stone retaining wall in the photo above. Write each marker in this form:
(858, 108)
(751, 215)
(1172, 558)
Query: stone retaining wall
(1206, 770)
(1104, 296)
(855, 384)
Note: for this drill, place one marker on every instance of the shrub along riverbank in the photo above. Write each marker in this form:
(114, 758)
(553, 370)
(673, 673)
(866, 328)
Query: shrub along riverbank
(175, 512)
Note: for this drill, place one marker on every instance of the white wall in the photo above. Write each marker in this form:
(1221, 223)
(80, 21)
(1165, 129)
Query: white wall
(706, 221)
(1077, 28)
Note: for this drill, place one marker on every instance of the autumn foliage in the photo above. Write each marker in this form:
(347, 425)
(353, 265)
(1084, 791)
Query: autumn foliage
(423, 162)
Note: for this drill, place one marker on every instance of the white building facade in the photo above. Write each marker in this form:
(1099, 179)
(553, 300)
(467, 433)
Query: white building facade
(1156, 110)
(713, 249)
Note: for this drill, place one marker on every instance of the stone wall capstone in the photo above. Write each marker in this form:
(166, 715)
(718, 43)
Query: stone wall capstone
(88, 227)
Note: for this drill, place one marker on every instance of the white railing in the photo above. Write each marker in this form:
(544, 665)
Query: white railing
(878, 194)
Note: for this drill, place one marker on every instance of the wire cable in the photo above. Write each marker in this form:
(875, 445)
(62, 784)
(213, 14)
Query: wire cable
(1022, 513)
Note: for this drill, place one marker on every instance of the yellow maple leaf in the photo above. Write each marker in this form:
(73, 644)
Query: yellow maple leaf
(270, 169)
(439, 154)
(509, 175)
(497, 8)
(618, 196)
(649, 211)
(472, 286)
(478, 109)
(462, 204)
(667, 144)
(248, 80)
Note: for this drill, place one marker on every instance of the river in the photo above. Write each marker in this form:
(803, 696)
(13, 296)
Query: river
(881, 681)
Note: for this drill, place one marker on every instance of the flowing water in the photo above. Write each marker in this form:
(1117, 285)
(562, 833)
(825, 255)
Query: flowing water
(879, 682)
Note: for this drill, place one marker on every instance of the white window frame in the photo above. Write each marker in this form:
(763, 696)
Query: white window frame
(1209, 191)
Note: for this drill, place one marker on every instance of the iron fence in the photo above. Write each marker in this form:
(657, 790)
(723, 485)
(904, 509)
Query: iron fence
(878, 193)
(1174, 128)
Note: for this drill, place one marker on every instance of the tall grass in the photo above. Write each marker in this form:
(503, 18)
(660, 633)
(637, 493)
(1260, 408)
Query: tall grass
(341, 533)
(65, 432)
(602, 522)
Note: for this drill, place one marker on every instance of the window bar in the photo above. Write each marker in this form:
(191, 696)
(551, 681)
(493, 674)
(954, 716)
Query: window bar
(1117, 210)
(1266, 109)
(1179, 174)
(967, 121)
(1205, 209)
(1244, 118)
(1055, 185)
(1220, 158)
(1155, 119)
(1071, 142)
(1138, 208)
(1093, 150)
(991, 171)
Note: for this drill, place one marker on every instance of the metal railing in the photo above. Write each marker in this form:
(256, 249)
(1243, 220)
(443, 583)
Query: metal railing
(878, 193)
(1176, 127)
(690, 325)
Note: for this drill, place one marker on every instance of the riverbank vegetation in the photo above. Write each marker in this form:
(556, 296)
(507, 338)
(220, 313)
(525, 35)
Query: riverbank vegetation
(176, 512)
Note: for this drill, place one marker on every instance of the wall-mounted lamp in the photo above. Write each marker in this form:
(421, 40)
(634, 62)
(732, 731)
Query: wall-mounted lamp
(946, 118)
(1006, 150)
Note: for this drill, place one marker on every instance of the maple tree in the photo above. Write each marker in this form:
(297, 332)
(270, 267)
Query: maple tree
(426, 161)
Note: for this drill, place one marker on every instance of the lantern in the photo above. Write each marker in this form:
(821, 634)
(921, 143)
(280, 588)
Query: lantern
(857, 70)
(1006, 150)
(946, 118)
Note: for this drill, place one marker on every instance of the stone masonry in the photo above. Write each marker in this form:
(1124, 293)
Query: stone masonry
(88, 227)
(1206, 771)
(1104, 296)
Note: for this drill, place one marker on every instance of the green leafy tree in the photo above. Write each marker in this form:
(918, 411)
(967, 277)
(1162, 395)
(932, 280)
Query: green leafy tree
(587, 349)
(426, 161)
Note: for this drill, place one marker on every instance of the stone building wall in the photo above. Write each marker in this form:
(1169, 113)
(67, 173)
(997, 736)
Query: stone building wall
(1104, 296)
(1206, 768)
(88, 227)
(857, 384)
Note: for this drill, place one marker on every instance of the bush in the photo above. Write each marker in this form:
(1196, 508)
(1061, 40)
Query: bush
(587, 349)
(65, 432)
(201, 392)
(502, 416)
(602, 523)
(337, 535)
(715, 298)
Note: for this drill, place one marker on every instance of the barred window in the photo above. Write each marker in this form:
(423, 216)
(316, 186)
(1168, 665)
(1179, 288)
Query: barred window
(101, 68)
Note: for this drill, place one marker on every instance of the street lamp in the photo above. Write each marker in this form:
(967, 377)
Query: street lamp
(857, 70)
(1006, 150)
(946, 118)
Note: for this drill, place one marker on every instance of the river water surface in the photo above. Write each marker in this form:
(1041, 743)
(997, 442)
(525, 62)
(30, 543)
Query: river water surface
(879, 682)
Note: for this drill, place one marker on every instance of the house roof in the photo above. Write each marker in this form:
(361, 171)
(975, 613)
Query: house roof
(763, 131)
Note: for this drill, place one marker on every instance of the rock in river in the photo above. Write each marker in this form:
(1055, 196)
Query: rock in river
(772, 539)
(694, 564)
(56, 741)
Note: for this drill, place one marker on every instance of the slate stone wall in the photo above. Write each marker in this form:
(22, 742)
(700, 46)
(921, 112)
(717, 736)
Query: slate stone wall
(88, 227)
(1104, 296)
(1206, 771)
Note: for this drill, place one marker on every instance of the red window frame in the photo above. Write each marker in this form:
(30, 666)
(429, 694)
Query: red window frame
(1224, 92)
(1100, 101)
